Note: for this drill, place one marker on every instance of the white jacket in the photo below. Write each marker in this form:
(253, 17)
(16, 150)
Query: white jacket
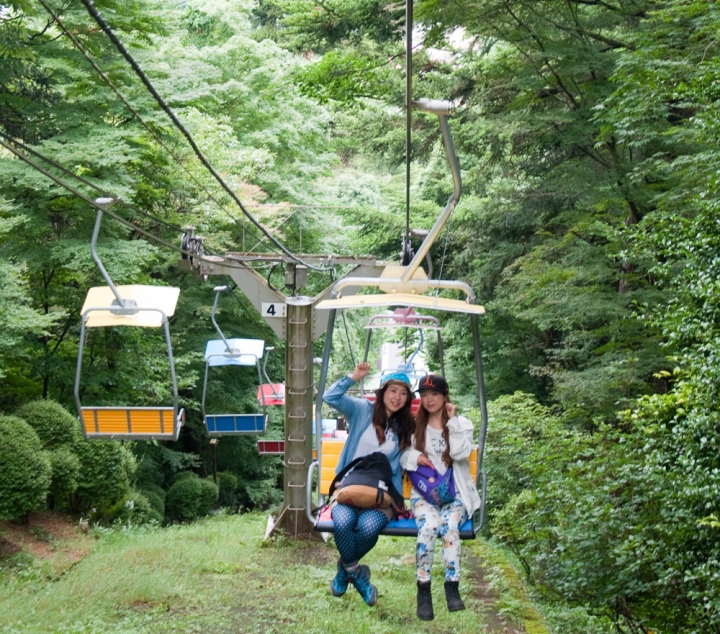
(460, 432)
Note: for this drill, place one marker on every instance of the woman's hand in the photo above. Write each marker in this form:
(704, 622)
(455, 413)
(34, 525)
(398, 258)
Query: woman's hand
(424, 461)
(360, 372)
(451, 409)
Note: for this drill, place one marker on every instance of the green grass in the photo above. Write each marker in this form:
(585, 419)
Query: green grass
(217, 575)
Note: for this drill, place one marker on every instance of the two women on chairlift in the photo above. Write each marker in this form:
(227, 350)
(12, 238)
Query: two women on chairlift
(443, 441)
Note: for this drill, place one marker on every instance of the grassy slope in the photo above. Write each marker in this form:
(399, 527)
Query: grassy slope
(219, 576)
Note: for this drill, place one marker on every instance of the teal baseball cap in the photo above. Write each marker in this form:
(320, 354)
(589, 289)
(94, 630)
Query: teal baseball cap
(396, 377)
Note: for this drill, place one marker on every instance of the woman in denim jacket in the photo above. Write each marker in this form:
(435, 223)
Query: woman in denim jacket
(385, 426)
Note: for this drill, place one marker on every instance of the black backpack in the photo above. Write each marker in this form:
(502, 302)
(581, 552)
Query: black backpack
(367, 483)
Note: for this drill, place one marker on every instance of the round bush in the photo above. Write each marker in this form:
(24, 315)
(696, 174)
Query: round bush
(227, 485)
(183, 498)
(65, 471)
(208, 496)
(134, 507)
(52, 422)
(105, 470)
(24, 469)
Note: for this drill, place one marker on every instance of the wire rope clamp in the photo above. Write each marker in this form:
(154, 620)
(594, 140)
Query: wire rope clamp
(390, 281)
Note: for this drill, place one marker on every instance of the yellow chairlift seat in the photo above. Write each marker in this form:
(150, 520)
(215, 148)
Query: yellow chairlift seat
(149, 307)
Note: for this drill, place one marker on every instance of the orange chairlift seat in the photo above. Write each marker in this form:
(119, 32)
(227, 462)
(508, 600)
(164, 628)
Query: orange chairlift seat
(128, 306)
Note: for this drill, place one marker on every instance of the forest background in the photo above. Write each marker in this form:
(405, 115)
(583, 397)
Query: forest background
(587, 132)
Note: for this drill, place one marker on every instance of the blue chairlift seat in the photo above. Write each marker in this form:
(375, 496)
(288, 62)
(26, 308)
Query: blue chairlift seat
(242, 352)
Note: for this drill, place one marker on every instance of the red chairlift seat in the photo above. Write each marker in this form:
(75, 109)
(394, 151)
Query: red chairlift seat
(271, 393)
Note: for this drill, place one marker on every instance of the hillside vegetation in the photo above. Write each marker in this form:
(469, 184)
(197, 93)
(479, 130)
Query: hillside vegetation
(587, 132)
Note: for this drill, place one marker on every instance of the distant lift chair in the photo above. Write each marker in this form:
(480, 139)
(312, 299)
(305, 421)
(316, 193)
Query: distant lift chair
(138, 306)
(233, 352)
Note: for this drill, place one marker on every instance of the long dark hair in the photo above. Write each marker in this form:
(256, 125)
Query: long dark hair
(421, 423)
(401, 422)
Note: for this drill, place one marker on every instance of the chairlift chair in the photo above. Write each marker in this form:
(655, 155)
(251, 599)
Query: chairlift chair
(232, 352)
(270, 393)
(405, 287)
(134, 306)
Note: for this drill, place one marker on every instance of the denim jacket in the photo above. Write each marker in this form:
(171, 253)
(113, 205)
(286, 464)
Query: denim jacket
(358, 412)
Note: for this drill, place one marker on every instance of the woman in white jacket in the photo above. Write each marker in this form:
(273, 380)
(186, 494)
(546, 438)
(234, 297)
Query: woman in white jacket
(442, 440)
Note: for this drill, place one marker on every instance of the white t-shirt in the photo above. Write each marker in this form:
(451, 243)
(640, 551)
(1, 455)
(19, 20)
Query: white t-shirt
(435, 447)
(369, 443)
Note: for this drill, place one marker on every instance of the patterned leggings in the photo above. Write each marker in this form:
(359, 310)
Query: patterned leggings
(434, 522)
(356, 531)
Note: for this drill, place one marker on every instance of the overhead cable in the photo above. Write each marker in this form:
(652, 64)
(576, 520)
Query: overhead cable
(408, 114)
(88, 183)
(104, 208)
(161, 102)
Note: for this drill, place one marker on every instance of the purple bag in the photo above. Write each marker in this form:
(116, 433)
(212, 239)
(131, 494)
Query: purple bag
(435, 488)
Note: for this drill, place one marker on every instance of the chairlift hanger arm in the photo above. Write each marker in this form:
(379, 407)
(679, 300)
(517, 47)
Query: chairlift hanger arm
(406, 279)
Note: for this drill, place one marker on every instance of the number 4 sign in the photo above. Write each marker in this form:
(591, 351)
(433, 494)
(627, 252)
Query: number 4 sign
(273, 309)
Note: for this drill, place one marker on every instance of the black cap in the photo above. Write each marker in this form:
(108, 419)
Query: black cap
(433, 382)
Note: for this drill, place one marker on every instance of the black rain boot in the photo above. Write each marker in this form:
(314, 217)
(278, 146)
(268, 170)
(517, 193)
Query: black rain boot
(424, 602)
(452, 596)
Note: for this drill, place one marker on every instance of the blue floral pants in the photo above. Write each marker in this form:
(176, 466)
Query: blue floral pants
(433, 522)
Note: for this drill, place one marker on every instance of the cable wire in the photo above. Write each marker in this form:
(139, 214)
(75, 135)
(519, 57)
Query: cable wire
(161, 102)
(102, 191)
(408, 109)
(103, 208)
(130, 107)
(90, 184)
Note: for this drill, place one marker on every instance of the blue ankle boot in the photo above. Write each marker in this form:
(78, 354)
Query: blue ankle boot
(339, 584)
(360, 578)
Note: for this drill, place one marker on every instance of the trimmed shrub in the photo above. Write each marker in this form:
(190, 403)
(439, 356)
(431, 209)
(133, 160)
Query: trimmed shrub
(208, 496)
(190, 497)
(53, 424)
(65, 472)
(183, 497)
(227, 485)
(105, 470)
(24, 469)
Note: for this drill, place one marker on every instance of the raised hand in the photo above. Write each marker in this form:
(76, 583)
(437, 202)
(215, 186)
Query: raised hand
(451, 409)
(360, 372)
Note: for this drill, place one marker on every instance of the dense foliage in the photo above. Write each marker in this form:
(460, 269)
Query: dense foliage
(587, 132)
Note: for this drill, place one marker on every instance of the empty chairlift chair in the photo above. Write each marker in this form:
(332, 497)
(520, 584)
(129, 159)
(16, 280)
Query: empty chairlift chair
(128, 306)
(270, 393)
(232, 352)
